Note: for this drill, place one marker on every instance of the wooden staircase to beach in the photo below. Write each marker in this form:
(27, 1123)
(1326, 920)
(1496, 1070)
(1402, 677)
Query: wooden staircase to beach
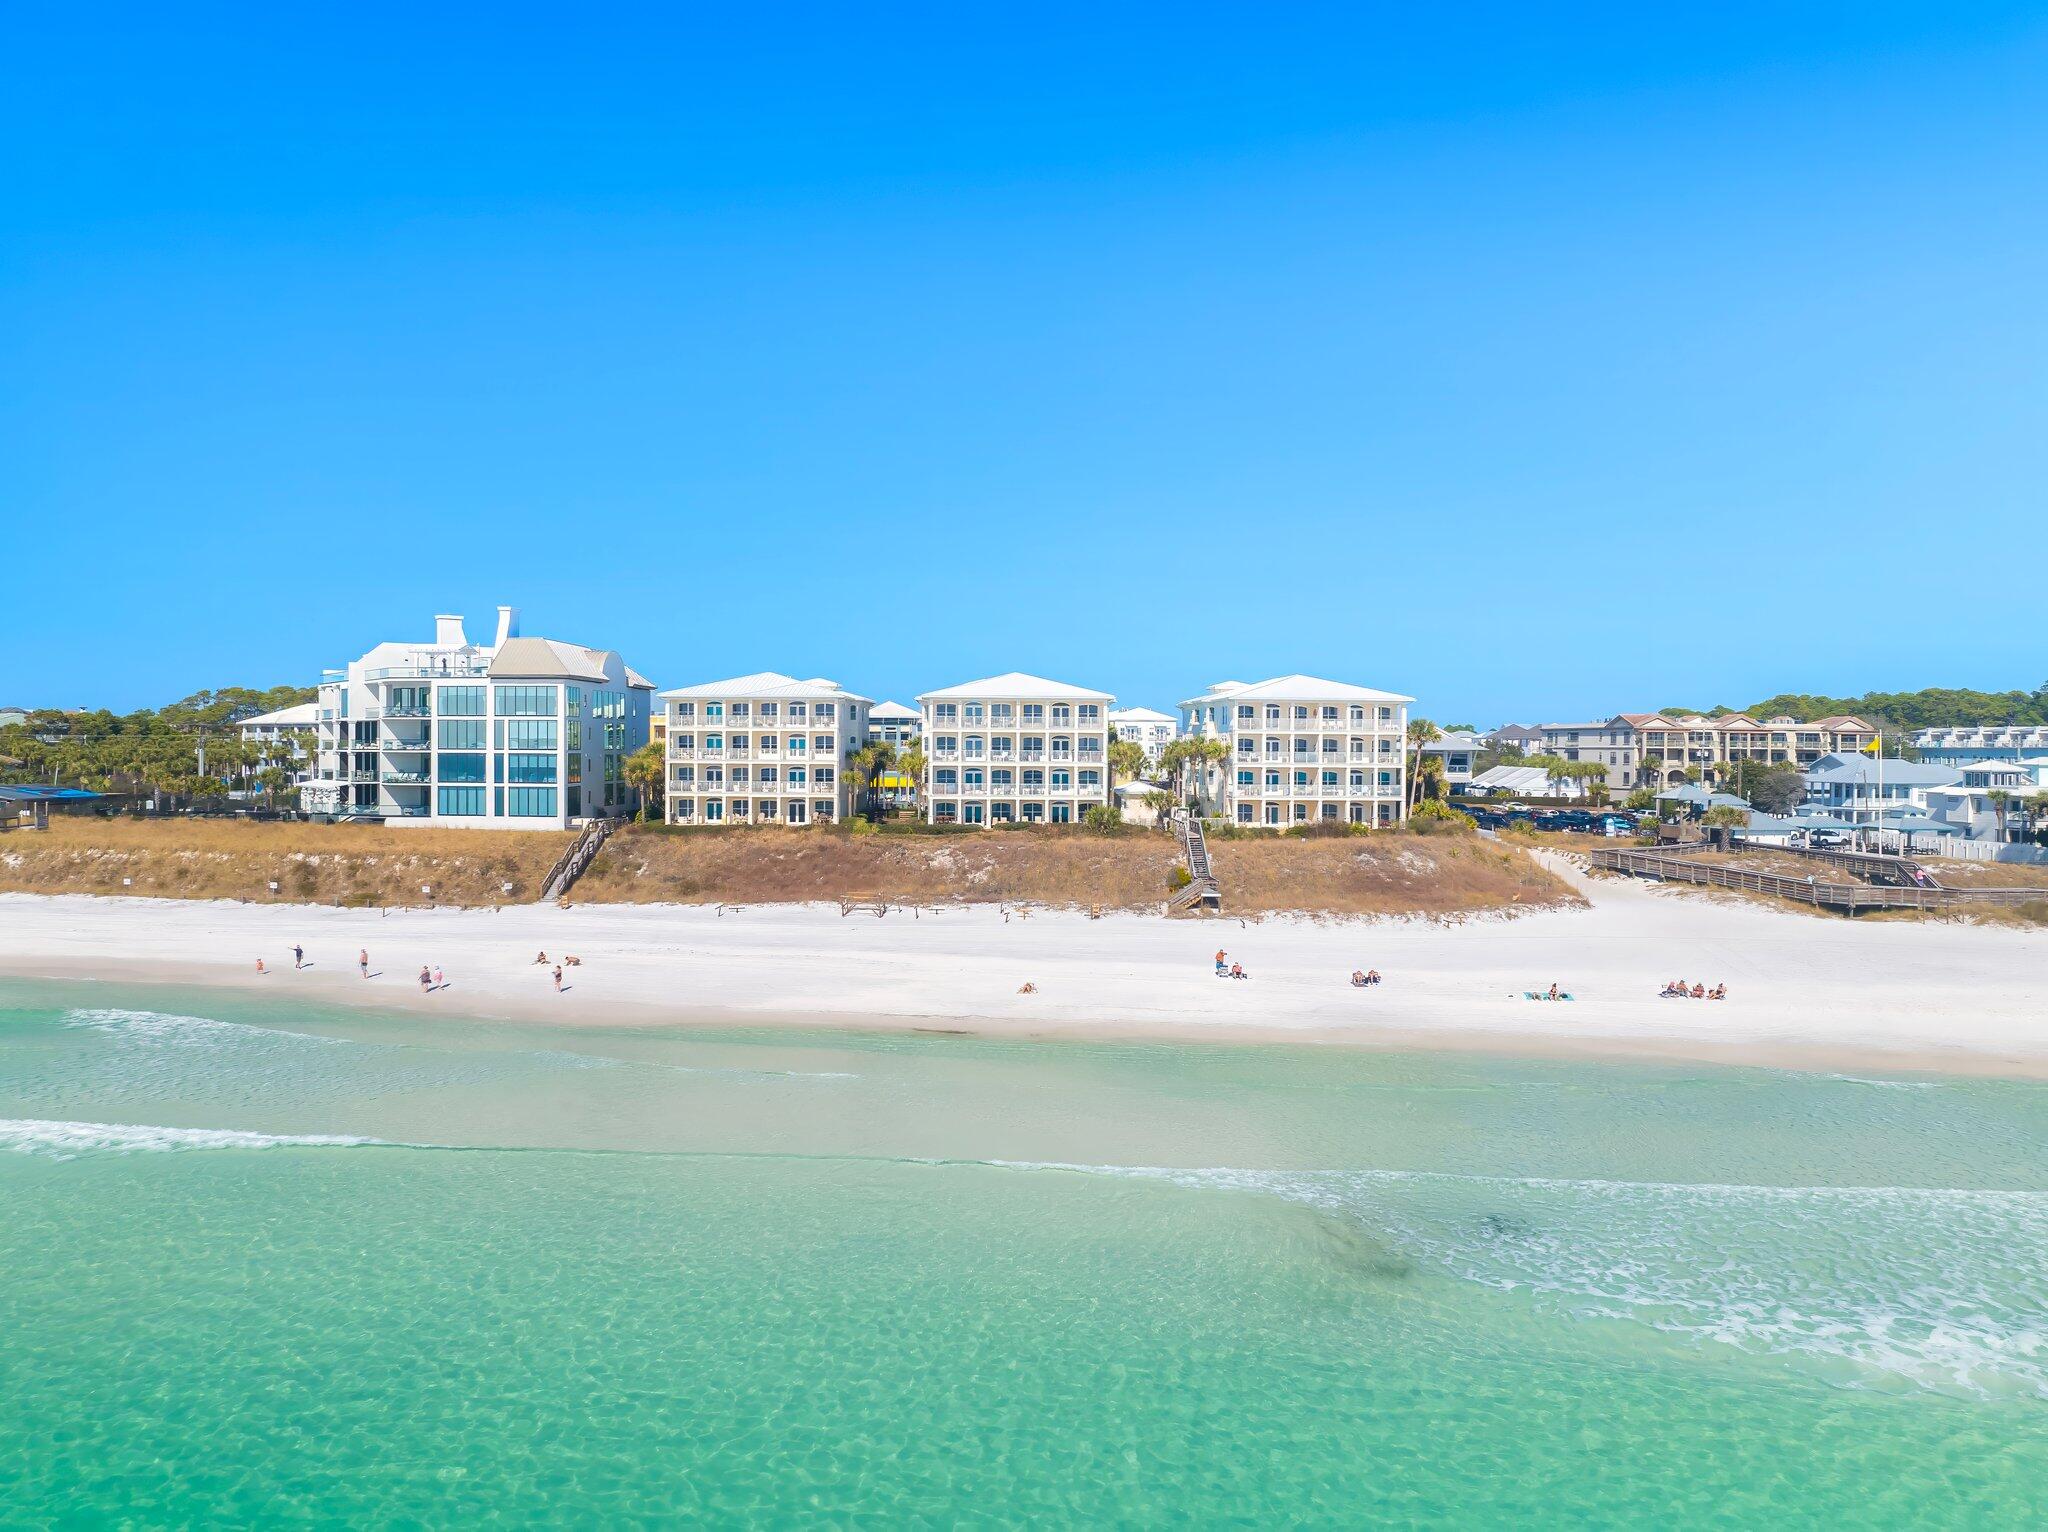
(1201, 896)
(574, 862)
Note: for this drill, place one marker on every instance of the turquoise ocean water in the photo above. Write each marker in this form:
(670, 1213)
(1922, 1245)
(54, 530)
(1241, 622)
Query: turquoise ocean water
(267, 1263)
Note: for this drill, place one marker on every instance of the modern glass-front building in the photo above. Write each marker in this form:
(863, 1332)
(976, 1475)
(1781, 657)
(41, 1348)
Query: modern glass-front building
(520, 734)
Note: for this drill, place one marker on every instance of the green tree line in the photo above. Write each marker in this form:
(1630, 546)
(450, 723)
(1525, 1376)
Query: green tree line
(156, 751)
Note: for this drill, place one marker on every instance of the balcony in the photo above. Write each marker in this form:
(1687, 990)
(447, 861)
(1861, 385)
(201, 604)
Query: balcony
(433, 665)
(405, 778)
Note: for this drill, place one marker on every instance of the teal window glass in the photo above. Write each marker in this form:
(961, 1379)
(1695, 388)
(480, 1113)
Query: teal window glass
(530, 734)
(462, 733)
(460, 768)
(462, 800)
(525, 701)
(462, 701)
(530, 802)
(530, 768)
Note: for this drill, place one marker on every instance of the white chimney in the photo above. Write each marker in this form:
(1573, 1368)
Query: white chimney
(448, 633)
(508, 623)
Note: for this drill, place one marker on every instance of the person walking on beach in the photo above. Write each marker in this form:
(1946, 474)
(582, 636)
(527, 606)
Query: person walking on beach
(363, 961)
(558, 978)
(439, 982)
(426, 979)
(298, 956)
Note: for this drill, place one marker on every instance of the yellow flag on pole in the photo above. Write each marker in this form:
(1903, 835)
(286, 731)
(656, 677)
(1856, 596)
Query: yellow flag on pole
(1876, 744)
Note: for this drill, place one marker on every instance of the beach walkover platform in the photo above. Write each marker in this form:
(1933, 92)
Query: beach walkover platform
(1669, 864)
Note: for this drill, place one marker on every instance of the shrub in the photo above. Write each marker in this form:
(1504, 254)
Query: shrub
(1178, 879)
(1103, 817)
(1434, 818)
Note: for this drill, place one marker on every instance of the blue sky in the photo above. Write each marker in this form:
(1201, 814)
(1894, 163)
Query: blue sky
(1534, 361)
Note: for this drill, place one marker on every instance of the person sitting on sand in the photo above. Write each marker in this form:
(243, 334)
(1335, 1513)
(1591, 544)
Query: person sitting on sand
(1372, 976)
(572, 962)
(1358, 979)
(1699, 992)
(1718, 992)
(1237, 971)
(1555, 992)
(542, 960)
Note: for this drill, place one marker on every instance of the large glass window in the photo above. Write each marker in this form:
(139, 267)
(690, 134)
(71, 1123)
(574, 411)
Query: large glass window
(528, 733)
(525, 701)
(460, 768)
(467, 801)
(462, 733)
(462, 701)
(530, 802)
(530, 768)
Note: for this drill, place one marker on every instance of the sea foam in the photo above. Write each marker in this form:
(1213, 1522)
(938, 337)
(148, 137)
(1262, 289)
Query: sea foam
(69, 1140)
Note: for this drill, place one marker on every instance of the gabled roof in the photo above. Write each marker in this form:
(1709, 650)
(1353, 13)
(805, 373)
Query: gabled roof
(547, 657)
(637, 681)
(1838, 721)
(302, 716)
(769, 685)
(1865, 768)
(1139, 715)
(1015, 686)
(893, 712)
(1460, 741)
(1296, 688)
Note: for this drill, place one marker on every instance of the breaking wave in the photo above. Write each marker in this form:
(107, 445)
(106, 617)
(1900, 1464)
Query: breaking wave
(70, 1140)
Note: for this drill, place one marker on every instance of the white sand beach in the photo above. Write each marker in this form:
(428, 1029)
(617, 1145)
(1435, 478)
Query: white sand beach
(1804, 991)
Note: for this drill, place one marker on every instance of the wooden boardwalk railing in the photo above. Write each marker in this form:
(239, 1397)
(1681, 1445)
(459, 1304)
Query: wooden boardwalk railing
(1850, 898)
(574, 862)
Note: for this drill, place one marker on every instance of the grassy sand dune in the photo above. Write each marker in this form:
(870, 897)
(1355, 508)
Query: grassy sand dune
(1382, 874)
(311, 864)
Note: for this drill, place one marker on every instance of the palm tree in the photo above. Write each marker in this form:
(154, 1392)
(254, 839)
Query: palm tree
(2001, 803)
(1126, 762)
(645, 770)
(1420, 732)
(910, 761)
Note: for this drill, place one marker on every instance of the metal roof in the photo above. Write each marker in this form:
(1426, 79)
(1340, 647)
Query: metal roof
(1015, 686)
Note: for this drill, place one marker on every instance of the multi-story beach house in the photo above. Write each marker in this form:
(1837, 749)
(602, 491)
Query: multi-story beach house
(894, 725)
(764, 749)
(1865, 790)
(1459, 752)
(1655, 749)
(1015, 748)
(1968, 744)
(1151, 731)
(517, 734)
(1302, 749)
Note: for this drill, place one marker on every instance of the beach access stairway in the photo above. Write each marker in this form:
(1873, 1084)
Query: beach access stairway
(1668, 865)
(574, 862)
(1202, 896)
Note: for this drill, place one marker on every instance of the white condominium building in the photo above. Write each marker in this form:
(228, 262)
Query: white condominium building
(1303, 749)
(1015, 747)
(761, 749)
(1150, 731)
(517, 734)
